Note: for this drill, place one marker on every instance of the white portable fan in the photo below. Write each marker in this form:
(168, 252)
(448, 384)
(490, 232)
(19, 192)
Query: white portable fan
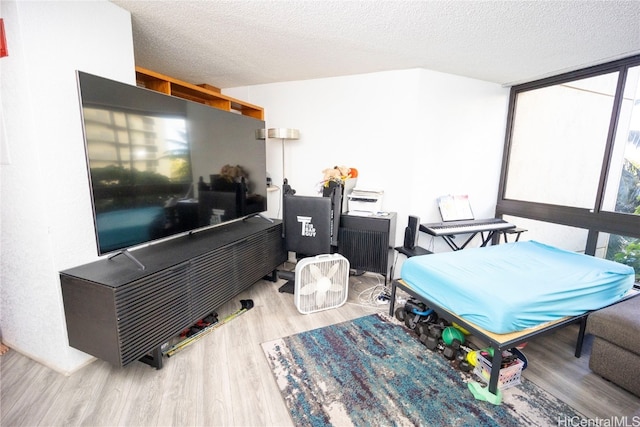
(321, 283)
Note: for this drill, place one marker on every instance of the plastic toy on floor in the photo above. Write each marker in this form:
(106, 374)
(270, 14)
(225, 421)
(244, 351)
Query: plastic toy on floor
(481, 392)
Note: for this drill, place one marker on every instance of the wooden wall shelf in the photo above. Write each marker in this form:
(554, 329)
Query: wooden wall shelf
(204, 93)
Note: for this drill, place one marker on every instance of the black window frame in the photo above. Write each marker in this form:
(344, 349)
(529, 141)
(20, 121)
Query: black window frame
(593, 220)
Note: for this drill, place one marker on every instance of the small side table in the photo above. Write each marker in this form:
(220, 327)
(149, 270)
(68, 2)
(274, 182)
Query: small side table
(417, 250)
(516, 231)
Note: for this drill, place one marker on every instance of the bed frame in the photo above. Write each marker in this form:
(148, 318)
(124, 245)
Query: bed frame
(498, 342)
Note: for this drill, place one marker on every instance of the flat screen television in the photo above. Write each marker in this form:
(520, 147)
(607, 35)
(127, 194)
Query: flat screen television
(160, 165)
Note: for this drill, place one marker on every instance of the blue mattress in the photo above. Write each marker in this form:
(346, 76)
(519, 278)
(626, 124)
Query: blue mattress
(515, 286)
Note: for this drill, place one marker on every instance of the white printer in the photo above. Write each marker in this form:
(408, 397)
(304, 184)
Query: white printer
(365, 202)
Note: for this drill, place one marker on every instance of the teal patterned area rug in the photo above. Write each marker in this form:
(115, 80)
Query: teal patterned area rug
(372, 371)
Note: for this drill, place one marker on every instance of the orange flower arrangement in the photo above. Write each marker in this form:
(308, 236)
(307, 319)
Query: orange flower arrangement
(338, 174)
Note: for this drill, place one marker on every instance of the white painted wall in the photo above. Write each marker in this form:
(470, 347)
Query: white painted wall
(46, 211)
(416, 134)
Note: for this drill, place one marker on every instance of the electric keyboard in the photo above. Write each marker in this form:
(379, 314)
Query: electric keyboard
(461, 227)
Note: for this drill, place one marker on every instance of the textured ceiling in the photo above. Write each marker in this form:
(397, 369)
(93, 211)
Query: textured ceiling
(238, 43)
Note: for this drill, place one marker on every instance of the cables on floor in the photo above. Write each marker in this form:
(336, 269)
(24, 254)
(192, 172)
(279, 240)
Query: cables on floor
(376, 296)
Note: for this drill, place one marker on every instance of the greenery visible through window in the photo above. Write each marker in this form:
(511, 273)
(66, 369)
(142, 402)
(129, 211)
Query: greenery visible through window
(625, 250)
(620, 248)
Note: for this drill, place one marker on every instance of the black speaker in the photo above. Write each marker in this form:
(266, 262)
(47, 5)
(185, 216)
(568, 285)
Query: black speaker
(411, 232)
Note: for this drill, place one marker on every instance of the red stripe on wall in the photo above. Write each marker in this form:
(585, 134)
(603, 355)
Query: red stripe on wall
(3, 40)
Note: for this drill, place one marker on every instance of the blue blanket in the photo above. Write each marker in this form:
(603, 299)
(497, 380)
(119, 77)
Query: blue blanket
(515, 286)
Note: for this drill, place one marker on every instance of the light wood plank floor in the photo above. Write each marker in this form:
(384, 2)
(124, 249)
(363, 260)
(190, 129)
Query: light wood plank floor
(224, 379)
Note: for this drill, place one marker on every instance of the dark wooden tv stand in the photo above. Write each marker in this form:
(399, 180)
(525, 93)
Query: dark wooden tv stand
(121, 313)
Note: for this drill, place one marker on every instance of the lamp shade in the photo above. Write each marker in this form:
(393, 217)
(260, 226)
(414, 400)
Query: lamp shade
(283, 133)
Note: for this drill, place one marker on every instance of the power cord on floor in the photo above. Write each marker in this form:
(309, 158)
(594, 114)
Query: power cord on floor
(369, 297)
(375, 296)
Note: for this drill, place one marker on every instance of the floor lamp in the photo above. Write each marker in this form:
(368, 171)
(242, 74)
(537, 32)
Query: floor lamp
(284, 134)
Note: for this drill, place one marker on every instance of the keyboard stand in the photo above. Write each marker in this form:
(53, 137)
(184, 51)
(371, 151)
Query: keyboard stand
(485, 240)
(479, 229)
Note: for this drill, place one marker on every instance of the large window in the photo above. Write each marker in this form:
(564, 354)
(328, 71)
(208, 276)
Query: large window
(572, 161)
(558, 141)
(622, 191)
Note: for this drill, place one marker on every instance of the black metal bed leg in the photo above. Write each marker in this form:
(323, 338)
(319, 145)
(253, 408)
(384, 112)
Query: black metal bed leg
(580, 340)
(496, 362)
(392, 299)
